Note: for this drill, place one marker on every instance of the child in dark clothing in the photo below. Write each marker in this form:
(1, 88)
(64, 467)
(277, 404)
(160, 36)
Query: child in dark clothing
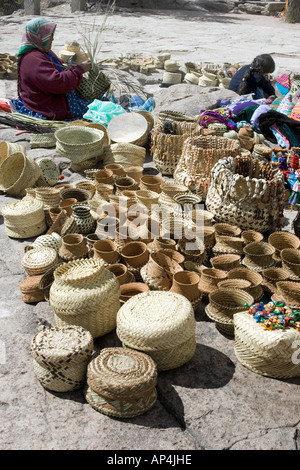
(251, 78)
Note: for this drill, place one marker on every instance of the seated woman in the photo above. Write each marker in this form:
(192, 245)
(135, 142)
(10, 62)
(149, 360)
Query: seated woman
(45, 89)
(250, 78)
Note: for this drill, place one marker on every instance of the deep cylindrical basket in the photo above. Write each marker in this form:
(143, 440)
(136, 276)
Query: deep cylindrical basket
(170, 338)
(84, 293)
(60, 357)
(121, 382)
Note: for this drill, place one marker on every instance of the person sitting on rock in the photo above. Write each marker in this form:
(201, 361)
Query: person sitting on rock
(45, 88)
(250, 79)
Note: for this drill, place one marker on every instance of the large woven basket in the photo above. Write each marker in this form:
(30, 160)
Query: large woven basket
(18, 172)
(60, 357)
(84, 293)
(255, 199)
(169, 338)
(24, 219)
(121, 382)
(268, 353)
(199, 155)
(79, 143)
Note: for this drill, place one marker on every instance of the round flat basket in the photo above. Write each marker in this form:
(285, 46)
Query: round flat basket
(170, 338)
(121, 382)
(127, 127)
(38, 260)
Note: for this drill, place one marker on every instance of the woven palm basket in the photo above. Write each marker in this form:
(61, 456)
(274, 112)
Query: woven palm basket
(228, 245)
(169, 338)
(126, 154)
(271, 276)
(158, 272)
(268, 353)
(226, 230)
(223, 323)
(50, 197)
(258, 256)
(199, 155)
(168, 191)
(29, 287)
(238, 205)
(225, 262)
(249, 236)
(17, 173)
(229, 284)
(38, 260)
(24, 219)
(253, 277)
(86, 294)
(230, 301)
(8, 148)
(79, 143)
(281, 240)
(290, 258)
(166, 150)
(47, 140)
(60, 357)
(121, 382)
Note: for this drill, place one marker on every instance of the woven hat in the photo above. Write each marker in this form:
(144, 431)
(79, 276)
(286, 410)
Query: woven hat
(268, 353)
(24, 218)
(38, 260)
(60, 357)
(170, 338)
(121, 382)
(258, 256)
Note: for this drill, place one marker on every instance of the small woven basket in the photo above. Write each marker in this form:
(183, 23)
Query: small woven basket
(30, 290)
(60, 357)
(268, 353)
(121, 382)
(226, 262)
(227, 230)
(289, 291)
(281, 239)
(229, 284)
(17, 173)
(254, 277)
(38, 260)
(258, 256)
(250, 236)
(230, 301)
(24, 219)
(170, 338)
(271, 276)
(158, 272)
(291, 262)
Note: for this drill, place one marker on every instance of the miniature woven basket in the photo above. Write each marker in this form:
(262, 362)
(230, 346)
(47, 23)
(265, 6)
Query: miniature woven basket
(24, 218)
(38, 260)
(168, 191)
(228, 245)
(30, 290)
(268, 353)
(258, 256)
(82, 195)
(170, 338)
(84, 293)
(121, 382)
(199, 155)
(281, 240)
(271, 276)
(17, 173)
(244, 195)
(79, 143)
(60, 357)
(290, 258)
(254, 277)
(225, 262)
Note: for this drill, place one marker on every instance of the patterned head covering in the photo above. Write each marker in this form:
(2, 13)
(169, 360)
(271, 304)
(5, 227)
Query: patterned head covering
(37, 33)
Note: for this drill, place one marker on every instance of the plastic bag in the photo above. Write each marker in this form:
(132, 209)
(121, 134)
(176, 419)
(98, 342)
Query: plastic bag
(103, 111)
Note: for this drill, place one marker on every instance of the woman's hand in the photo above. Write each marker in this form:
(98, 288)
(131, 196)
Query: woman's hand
(86, 65)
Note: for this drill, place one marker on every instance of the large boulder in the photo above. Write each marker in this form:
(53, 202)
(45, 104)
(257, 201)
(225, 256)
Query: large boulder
(190, 99)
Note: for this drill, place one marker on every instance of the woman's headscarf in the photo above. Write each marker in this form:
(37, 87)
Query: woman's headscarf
(37, 33)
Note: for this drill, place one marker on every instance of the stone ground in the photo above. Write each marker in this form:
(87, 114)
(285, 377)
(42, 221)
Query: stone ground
(210, 403)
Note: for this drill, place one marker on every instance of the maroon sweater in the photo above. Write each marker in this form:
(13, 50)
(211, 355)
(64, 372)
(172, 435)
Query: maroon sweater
(42, 88)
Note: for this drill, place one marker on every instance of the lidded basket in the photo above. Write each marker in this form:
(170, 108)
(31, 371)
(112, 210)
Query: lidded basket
(60, 357)
(121, 382)
(160, 324)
